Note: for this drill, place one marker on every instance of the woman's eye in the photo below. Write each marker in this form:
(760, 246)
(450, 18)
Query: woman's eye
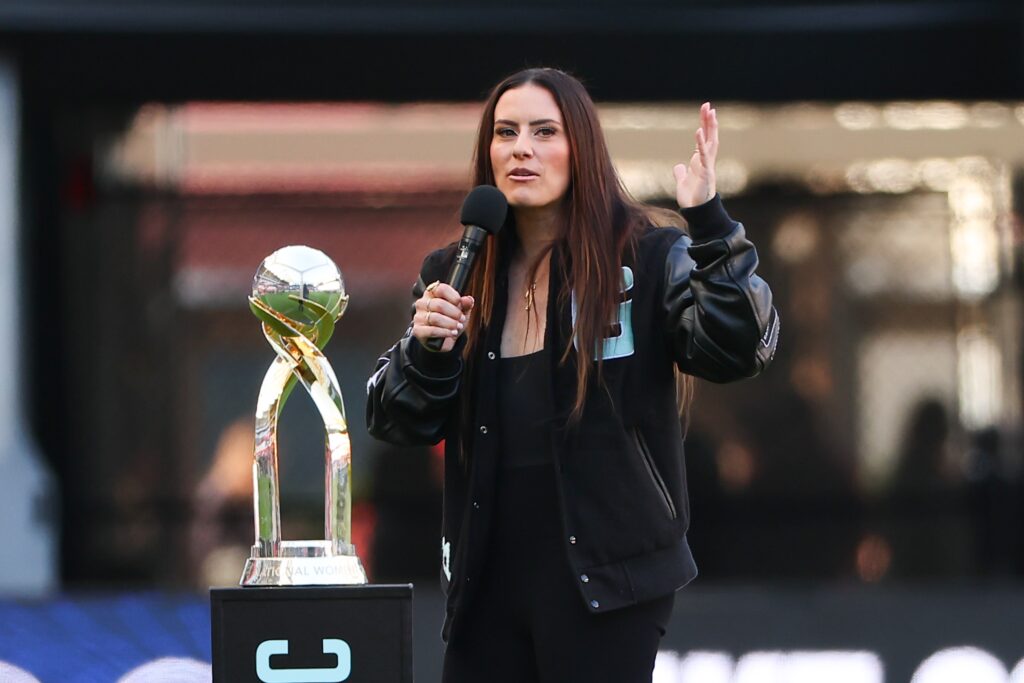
(545, 132)
(505, 132)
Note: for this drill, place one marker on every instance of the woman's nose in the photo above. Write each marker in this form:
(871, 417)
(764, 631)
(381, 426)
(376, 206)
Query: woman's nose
(522, 148)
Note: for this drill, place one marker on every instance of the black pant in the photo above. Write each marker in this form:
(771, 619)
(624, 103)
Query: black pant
(528, 622)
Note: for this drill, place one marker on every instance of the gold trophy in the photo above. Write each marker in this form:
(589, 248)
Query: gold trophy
(298, 294)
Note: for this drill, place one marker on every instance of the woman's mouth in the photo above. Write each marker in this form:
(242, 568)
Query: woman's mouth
(522, 175)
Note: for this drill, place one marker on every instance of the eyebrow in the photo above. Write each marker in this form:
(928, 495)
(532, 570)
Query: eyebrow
(538, 122)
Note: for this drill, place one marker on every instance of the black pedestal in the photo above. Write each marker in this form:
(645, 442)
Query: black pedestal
(322, 634)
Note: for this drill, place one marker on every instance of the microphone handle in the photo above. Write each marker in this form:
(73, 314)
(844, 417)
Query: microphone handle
(472, 239)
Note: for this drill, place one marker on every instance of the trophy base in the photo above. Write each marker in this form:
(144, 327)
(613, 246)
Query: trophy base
(304, 563)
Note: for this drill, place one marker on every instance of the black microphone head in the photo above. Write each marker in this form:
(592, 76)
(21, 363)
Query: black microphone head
(485, 206)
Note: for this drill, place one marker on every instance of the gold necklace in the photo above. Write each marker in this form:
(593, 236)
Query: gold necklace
(529, 295)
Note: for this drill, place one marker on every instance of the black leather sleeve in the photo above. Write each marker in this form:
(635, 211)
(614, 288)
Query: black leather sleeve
(412, 391)
(718, 313)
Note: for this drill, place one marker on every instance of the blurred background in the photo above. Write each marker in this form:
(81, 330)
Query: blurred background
(858, 510)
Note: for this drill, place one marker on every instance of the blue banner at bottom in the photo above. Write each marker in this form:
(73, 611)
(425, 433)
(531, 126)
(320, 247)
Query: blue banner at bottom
(94, 639)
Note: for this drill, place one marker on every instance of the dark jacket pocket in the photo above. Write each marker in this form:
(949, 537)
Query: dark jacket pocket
(652, 472)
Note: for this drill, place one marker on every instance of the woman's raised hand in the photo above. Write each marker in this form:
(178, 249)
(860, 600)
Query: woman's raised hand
(695, 182)
(440, 312)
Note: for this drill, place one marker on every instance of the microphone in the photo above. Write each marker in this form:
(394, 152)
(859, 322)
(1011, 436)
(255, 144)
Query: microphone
(483, 214)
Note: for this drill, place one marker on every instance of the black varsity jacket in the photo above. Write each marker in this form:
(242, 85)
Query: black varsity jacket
(688, 300)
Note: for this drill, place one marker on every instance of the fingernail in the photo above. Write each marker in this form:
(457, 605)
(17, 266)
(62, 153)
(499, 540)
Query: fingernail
(460, 327)
(455, 333)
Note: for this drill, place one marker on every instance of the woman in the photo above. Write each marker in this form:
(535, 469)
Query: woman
(565, 505)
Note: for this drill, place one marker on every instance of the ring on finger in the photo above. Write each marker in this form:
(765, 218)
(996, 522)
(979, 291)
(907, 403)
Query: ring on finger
(428, 318)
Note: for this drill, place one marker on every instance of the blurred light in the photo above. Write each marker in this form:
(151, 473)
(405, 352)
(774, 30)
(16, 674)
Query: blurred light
(979, 363)
(732, 177)
(951, 665)
(737, 466)
(935, 115)
(867, 275)
(796, 238)
(220, 566)
(970, 199)
(810, 667)
(857, 178)
(908, 259)
(676, 117)
(1017, 675)
(893, 176)
(900, 250)
(896, 370)
(733, 116)
(975, 257)
(649, 180)
(874, 557)
(811, 377)
(246, 148)
(326, 117)
(823, 180)
(925, 115)
(937, 174)
(858, 116)
(960, 665)
(977, 166)
(694, 667)
(806, 116)
(666, 668)
(645, 117)
(253, 148)
(989, 115)
(198, 287)
(705, 667)
(973, 238)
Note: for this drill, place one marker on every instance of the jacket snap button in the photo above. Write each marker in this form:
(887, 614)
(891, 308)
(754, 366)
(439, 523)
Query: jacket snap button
(572, 540)
(476, 505)
(483, 429)
(595, 604)
(584, 578)
(490, 355)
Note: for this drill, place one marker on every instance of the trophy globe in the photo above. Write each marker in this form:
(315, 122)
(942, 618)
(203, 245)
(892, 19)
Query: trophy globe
(293, 275)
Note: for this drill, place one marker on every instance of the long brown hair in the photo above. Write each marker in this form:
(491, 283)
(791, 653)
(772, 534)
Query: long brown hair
(601, 221)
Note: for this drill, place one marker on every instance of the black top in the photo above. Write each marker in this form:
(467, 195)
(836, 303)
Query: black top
(524, 410)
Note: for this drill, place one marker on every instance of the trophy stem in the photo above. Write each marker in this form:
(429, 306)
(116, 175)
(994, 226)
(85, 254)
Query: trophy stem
(338, 492)
(266, 508)
(274, 561)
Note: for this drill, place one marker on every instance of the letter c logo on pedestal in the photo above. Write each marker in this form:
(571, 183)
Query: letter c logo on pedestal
(331, 646)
